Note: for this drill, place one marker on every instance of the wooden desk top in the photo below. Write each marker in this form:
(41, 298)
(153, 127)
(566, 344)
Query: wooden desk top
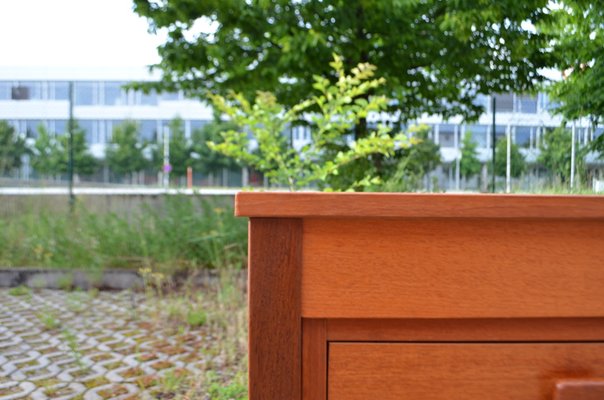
(416, 205)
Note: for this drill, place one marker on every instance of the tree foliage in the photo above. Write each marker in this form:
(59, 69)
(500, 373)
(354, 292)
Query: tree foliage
(578, 29)
(517, 161)
(436, 55)
(469, 165)
(555, 154)
(125, 152)
(51, 154)
(206, 160)
(412, 163)
(12, 148)
(341, 106)
(179, 149)
(46, 153)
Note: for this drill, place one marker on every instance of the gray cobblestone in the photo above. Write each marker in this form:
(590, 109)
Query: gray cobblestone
(85, 346)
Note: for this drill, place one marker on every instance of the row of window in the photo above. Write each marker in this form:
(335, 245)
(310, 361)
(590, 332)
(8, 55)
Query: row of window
(111, 93)
(448, 135)
(516, 103)
(85, 93)
(99, 131)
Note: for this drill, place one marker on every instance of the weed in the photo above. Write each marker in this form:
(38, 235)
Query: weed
(234, 390)
(74, 302)
(72, 343)
(65, 282)
(48, 319)
(20, 291)
(172, 381)
(197, 318)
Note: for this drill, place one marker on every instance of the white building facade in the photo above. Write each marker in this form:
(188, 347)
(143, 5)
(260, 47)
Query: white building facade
(33, 96)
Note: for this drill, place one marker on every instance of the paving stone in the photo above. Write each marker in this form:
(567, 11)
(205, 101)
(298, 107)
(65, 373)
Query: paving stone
(61, 345)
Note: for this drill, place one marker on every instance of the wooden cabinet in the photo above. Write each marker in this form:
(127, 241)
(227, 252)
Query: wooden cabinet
(408, 296)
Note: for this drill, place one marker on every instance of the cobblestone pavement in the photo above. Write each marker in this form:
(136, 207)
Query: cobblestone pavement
(89, 345)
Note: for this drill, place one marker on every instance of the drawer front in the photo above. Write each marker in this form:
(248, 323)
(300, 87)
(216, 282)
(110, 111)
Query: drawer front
(458, 371)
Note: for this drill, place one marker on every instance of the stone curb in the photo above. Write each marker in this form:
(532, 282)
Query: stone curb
(110, 279)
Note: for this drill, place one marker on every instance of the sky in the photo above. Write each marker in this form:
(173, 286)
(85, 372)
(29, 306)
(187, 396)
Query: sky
(76, 33)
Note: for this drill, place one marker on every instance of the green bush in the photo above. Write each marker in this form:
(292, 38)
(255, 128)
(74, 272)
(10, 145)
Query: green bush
(187, 232)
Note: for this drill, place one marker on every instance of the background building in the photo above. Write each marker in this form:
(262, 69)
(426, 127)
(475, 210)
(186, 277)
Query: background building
(33, 96)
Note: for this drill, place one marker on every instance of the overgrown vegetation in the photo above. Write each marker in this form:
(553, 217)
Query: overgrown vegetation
(185, 233)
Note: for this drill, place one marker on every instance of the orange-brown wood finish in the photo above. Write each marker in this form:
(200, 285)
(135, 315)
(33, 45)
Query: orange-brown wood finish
(314, 359)
(411, 205)
(525, 371)
(579, 389)
(463, 330)
(425, 297)
(457, 268)
(275, 328)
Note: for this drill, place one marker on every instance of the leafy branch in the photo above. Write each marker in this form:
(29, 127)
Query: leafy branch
(334, 112)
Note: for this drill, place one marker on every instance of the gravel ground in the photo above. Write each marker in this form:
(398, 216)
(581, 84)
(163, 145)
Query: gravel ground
(121, 345)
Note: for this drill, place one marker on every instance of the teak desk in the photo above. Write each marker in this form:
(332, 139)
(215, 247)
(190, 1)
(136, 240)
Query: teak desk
(425, 297)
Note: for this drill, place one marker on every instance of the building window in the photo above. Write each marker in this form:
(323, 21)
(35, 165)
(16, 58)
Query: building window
(148, 99)
(500, 132)
(482, 100)
(148, 130)
(5, 90)
(20, 92)
(479, 134)
(446, 135)
(85, 93)
(32, 128)
(114, 95)
(174, 96)
(59, 126)
(504, 102)
(30, 91)
(527, 104)
(59, 91)
(523, 136)
(87, 126)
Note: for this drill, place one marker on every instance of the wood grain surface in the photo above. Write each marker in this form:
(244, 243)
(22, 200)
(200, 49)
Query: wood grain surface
(475, 329)
(367, 371)
(580, 389)
(413, 205)
(314, 359)
(456, 268)
(275, 327)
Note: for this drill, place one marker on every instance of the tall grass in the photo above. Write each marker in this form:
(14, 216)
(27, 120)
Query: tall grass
(187, 232)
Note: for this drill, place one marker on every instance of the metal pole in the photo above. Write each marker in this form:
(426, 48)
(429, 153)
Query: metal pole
(508, 161)
(70, 151)
(457, 137)
(167, 166)
(572, 156)
(494, 138)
